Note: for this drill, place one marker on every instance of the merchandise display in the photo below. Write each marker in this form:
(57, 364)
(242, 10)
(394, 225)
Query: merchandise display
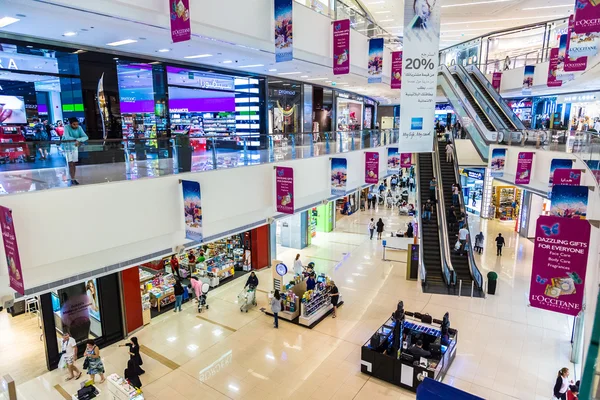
(506, 200)
(160, 290)
(120, 389)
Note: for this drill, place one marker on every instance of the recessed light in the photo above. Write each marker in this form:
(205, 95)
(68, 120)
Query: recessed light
(30, 47)
(252, 66)
(273, 70)
(69, 33)
(198, 56)
(79, 51)
(115, 58)
(289, 73)
(541, 8)
(387, 20)
(163, 50)
(475, 3)
(5, 21)
(121, 42)
(304, 76)
(382, 12)
(227, 62)
(317, 79)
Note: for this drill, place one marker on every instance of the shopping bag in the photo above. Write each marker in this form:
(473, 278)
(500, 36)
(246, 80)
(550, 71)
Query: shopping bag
(457, 245)
(62, 363)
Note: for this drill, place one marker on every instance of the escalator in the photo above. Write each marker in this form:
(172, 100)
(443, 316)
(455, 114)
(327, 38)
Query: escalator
(482, 116)
(509, 123)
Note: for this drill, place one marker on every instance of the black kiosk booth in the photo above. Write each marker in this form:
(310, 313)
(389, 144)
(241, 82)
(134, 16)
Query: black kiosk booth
(388, 354)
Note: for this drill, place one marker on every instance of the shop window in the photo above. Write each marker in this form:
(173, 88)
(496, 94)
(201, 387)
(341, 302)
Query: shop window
(284, 106)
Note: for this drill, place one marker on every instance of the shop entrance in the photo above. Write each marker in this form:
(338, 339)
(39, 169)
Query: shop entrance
(349, 114)
(472, 187)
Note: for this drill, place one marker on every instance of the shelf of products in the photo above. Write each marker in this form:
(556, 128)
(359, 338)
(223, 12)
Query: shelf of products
(160, 290)
(314, 300)
(122, 390)
(507, 202)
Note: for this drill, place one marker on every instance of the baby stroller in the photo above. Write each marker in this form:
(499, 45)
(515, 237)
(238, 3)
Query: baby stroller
(381, 200)
(405, 195)
(390, 202)
(247, 298)
(202, 300)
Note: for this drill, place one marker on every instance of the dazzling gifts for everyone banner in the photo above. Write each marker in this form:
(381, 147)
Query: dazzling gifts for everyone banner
(341, 47)
(393, 160)
(569, 201)
(371, 167)
(528, 79)
(181, 28)
(560, 259)
(192, 210)
(339, 176)
(496, 80)
(11, 251)
(524, 165)
(497, 163)
(375, 67)
(396, 81)
(284, 189)
(284, 43)
(557, 163)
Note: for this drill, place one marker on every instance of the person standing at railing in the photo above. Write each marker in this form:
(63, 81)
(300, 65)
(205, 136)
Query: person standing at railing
(73, 137)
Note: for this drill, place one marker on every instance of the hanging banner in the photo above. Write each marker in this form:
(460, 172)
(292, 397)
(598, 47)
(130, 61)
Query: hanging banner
(393, 161)
(406, 160)
(587, 17)
(181, 24)
(396, 82)
(11, 250)
(573, 63)
(339, 176)
(528, 79)
(562, 57)
(569, 201)
(341, 47)
(560, 259)
(524, 164)
(497, 163)
(284, 189)
(551, 81)
(192, 210)
(496, 80)
(371, 167)
(375, 67)
(284, 49)
(567, 177)
(557, 163)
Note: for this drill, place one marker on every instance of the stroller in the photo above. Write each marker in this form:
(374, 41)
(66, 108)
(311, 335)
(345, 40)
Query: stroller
(390, 202)
(202, 300)
(247, 298)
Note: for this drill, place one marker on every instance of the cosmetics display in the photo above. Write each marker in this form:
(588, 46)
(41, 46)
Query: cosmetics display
(315, 304)
(120, 389)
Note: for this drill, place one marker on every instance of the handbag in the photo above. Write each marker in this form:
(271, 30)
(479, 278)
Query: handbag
(426, 319)
(86, 363)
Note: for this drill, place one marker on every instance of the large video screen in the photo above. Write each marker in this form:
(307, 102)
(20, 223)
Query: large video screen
(12, 110)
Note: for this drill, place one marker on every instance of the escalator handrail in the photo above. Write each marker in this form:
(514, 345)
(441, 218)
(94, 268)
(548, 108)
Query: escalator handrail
(422, 269)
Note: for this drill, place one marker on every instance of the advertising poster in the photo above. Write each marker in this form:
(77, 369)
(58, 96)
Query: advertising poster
(561, 74)
(528, 79)
(587, 17)
(420, 59)
(341, 47)
(557, 163)
(284, 189)
(496, 80)
(497, 163)
(393, 160)
(405, 160)
(181, 24)
(284, 49)
(192, 210)
(375, 67)
(339, 176)
(11, 250)
(573, 63)
(560, 258)
(569, 201)
(396, 82)
(524, 164)
(567, 177)
(12, 110)
(552, 63)
(371, 167)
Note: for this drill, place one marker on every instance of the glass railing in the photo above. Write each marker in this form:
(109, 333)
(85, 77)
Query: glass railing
(37, 165)
(422, 269)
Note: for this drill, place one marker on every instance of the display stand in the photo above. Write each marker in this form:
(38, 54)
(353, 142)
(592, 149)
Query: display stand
(323, 309)
(119, 389)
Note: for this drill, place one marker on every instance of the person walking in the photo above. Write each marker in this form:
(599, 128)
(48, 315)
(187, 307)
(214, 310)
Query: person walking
(380, 226)
(175, 265)
(132, 374)
(252, 280)
(69, 349)
(369, 200)
(371, 228)
(72, 138)
(134, 353)
(499, 244)
(411, 184)
(178, 294)
(298, 268)
(427, 209)
(334, 294)
(94, 362)
(463, 235)
(409, 230)
(276, 308)
(479, 242)
(562, 384)
(432, 187)
(449, 152)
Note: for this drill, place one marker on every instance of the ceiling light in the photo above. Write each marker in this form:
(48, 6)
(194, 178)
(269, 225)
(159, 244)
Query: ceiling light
(273, 70)
(163, 50)
(541, 8)
(5, 21)
(69, 33)
(290, 73)
(171, 339)
(304, 76)
(317, 79)
(483, 21)
(275, 81)
(227, 62)
(115, 58)
(121, 42)
(475, 3)
(79, 51)
(252, 66)
(198, 56)
(382, 12)
(375, 2)
(387, 20)
(192, 347)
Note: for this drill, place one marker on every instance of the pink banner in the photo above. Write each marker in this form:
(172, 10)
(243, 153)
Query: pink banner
(551, 81)
(11, 249)
(563, 176)
(181, 27)
(284, 188)
(341, 47)
(496, 80)
(587, 17)
(560, 259)
(524, 164)
(573, 64)
(396, 82)
(371, 167)
(405, 160)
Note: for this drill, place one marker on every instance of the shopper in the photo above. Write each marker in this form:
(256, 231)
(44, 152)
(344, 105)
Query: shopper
(191, 261)
(562, 384)
(134, 353)
(451, 219)
(455, 192)
(427, 209)
(298, 268)
(94, 362)
(178, 294)
(394, 182)
(276, 308)
(474, 199)
(369, 199)
(380, 226)
(175, 265)
(411, 184)
(195, 286)
(69, 349)
(463, 235)
(72, 139)
(41, 136)
(499, 244)
(409, 230)
(573, 392)
(449, 152)
(371, 228)
(132, 374)
(252, 281)
(334, 293)
(201, 257)
(311, 283)
(479, 242)
(432, 186)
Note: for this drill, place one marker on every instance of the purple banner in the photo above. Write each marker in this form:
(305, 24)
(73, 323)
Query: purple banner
(587, 17)
(524, 164)
(573, 63)
(341, 47)
(396, 82)
(496, 80)
(284, 189)
(11, 250)
(181, 27)
(560, 259)
(551, 81)
(405, 160)
(371, 167)
(563, 176)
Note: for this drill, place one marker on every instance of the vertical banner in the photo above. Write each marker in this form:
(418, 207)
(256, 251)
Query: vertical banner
(567, 177)
(339, 176)
(420, 61)
(393, 161)
(551, 81)
(528, 79)
(192, 210)
(284, 49)
(560, 259)
(496, 80)
(581, 44)
(406, 160)
(375, 67)
(341, 47)
(11, 250)
(396, 82)
(497, 163)
(587, 17)
(371, 167)
(557, 163)
(524, 164)
(181, 24)
(561, 74)
(569, 201)
(284, 189)
(573, 62)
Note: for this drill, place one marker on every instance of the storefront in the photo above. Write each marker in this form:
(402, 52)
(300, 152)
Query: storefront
(522, 107)
(545, 113)
(444, 114)
(285, 106)
(472, 184)
(532, 207)
(322, 109)
(370, 114)
(580, 111)
(464, 54)
(506, 201)
(349, 112)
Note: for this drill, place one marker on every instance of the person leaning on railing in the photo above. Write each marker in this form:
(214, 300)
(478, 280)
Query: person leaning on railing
(72, 139)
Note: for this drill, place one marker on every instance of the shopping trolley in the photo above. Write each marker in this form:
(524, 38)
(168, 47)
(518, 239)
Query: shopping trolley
(247, 298)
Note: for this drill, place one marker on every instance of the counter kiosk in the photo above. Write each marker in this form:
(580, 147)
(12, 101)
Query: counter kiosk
(386, 356)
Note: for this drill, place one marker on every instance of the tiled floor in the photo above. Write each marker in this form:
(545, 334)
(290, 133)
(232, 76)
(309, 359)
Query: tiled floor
(506, 350)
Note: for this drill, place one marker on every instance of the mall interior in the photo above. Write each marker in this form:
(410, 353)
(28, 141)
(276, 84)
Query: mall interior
(282, 199)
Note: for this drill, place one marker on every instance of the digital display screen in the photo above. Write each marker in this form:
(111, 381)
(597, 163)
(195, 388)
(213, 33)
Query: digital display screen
(12, 110)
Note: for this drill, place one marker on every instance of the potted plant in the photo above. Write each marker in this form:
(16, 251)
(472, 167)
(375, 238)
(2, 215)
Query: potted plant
(492, 281)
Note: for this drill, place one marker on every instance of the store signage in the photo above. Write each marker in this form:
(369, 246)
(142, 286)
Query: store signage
(406, 160)
(281, 269)
(181, 27)
(420, 59)
(284, 189)
(26, 62)
(375, 67)
(344, 95)
(11, 250)
(528, 79)
(284, 49)
(577, 99)
(587, 17)
(560, 259)
(186, 77)
(497, 163)
(192, 210)
(567, 177)
(286, 92)
(339, 176)
(369, 101)
(396, 81)
(551, 81)
(524, 165)
(393, 160)
(557, 163)
(371, 167)
(496, 81)
(569, 201)
(473, 174)
(341, 47)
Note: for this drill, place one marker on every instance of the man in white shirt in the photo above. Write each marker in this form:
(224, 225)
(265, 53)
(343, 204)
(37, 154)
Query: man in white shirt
(371, 229)
(463, 234)
(69, 348)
